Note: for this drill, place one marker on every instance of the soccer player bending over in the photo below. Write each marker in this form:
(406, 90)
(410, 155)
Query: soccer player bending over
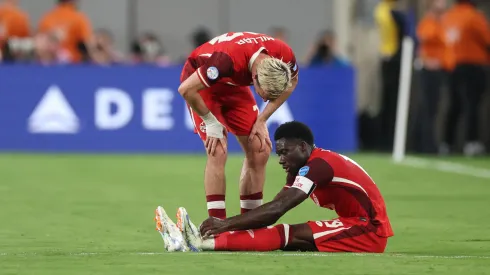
(215, 84)
(330, 179)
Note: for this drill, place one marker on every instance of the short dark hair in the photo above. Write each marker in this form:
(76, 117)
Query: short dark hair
(294, 130)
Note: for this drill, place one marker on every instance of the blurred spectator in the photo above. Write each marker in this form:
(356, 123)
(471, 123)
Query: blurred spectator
(47, 50)
(104, 52)
(323, 51)
(392, 28)
(72, 28)
(149, 49)
(432, 51)
(43, 48)
(17, 49)
(200, 36)
(14, 23)
(467, 37)
(279, 33)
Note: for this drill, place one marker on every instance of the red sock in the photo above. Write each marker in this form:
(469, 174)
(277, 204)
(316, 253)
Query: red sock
(249, 202)
(264, 239)
(216, 206)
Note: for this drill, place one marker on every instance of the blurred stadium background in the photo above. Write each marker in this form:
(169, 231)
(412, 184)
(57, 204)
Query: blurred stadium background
(94, 134)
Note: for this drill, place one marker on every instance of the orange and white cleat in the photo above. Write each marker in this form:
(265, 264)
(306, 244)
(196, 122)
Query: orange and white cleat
(171, 235)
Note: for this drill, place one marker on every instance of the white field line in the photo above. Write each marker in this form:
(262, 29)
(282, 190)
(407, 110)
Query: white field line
(449, 167)
(263, 254)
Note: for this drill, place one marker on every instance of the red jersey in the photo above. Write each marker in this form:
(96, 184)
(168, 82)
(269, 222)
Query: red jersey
(336, 182)
(228, 58)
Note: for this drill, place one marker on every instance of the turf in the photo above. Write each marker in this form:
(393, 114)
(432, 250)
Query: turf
(91, 214)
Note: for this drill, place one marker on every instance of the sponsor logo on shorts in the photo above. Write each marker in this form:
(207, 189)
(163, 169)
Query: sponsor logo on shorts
(202, 127)
(303, 171)
(212, 73)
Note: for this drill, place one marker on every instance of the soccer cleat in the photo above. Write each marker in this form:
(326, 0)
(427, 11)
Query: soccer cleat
(189, 230)
(171, 235)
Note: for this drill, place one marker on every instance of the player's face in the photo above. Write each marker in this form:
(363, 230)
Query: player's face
(293, 154)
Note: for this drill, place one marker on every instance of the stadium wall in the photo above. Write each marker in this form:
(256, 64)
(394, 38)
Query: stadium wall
(138, 109)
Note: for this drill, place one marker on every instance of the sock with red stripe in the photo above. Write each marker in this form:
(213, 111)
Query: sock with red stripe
(249, 202)
(264, 239)
(216, 206)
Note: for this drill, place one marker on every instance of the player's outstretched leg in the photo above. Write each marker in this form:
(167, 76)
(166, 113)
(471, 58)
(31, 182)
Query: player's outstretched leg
(272, 238)
(253, 173)
(171, 235)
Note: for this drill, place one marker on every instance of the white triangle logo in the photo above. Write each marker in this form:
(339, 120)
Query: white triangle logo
(53, 115)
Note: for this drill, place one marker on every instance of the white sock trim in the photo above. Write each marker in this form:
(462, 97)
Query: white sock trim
(250, 204)
(216, 205)
(208, 245)
(286, 234)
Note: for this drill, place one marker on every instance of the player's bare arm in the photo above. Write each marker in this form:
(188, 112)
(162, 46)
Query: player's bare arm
(281, 193)
(273, 105)
(269, 109)
(260, 127)
(189, 89)
(260, 217)
(275, 101)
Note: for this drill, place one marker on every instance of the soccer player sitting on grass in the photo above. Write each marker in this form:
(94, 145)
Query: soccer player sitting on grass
(330, 179)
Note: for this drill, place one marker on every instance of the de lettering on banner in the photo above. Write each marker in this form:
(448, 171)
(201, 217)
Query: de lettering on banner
(138, 109)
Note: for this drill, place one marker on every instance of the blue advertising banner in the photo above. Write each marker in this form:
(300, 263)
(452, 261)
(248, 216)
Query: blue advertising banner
(138, 109)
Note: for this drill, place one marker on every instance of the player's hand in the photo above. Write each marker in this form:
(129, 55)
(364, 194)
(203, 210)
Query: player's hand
(211, 227)
(216, 134)
(260, 130)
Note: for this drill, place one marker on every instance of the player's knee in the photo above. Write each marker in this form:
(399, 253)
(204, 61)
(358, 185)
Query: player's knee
(300, 239)
(219, 157)
(254, 155)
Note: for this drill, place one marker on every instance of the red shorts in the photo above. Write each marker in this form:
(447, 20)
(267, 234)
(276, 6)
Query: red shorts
(233, 106)
(347, 235)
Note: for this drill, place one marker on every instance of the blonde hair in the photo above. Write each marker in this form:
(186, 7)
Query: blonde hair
(273, 76)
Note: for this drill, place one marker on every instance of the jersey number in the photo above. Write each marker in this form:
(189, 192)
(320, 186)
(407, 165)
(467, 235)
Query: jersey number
(331, 224)
(225, 37)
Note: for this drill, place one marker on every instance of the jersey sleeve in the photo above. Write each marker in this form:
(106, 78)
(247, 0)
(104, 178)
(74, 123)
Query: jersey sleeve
(290, 59)
(317, 171)
(294, 66)
(219, 65)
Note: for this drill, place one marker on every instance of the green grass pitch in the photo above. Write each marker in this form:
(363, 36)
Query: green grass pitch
(91, 214)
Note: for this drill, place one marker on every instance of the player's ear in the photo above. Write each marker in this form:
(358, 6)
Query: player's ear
(304, 146)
